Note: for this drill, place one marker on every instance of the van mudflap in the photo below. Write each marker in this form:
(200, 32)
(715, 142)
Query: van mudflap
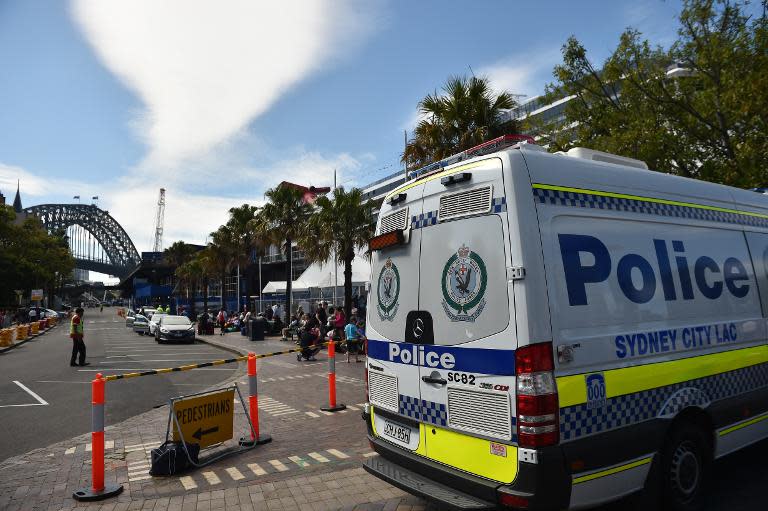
(416, 484)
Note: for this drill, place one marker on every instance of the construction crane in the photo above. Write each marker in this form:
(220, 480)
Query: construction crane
(159, 219)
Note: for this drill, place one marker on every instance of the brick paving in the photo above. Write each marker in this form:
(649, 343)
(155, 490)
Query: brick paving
(313, 463)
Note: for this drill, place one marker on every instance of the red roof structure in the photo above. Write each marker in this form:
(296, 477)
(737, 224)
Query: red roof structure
(310, 193)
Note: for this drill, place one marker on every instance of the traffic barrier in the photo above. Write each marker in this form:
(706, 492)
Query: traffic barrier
(332, 406)
(98, 490)
(42, 325)
(253, 406)
(21, 332)
(6, 337)
(34, 328)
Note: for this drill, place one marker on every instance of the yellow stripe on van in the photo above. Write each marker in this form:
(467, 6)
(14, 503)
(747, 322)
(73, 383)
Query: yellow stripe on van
(646, 199)
(750, 422)
(435, 176)
(611, 471)
(572, 390)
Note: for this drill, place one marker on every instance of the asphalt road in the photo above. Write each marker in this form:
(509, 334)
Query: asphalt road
(39, 372)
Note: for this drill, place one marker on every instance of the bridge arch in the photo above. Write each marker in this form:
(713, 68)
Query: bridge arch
(122, 256)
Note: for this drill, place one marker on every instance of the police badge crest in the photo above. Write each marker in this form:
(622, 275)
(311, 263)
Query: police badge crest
(464, 281)
(388, 291)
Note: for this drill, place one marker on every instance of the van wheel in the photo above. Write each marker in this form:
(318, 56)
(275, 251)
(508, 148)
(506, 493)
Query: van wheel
(685, 463)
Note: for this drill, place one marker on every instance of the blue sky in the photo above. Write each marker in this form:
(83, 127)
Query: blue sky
(218, 101)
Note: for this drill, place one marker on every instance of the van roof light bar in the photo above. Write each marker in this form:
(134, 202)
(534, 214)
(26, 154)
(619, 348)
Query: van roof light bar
(490, 146)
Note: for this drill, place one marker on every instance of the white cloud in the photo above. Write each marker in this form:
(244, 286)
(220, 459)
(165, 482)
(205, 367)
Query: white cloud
(204, 70)
(518, 75)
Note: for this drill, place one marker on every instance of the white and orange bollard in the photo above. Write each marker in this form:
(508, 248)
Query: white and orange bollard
(332, 405)
(98, 490)
(253, 406)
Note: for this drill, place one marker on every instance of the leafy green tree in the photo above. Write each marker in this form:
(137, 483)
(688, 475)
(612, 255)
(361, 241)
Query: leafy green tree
(706, 121)
(220, 253)
(465, 114)
(282, 221)
(341, 226)
(242, 237)
(29, 256)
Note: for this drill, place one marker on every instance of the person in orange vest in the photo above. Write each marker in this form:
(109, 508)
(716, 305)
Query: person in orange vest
(76, 333)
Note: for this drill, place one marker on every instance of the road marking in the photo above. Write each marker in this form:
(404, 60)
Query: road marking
(211, 477)
(350, 407)
(284, 413)
(140, 478)
(235, 474)
(40, 401)
(60, 381)
(135, 465)
(135, 368)
(71, 450)
(325, 413)
(313, 415)
(369, 454)
(153, 360)
(278, 465)
(256, 469)
(319, 457)
(299, 461)
(338, 454)
(188, 483)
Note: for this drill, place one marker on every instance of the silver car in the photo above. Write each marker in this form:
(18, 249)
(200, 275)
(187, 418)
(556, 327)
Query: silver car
(174, 329)
(129, 316)
(140, 324)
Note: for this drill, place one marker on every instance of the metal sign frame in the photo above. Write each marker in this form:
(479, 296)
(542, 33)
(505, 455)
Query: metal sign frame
(172, 417)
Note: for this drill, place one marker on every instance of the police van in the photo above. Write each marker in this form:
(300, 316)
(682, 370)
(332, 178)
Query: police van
(556, 331)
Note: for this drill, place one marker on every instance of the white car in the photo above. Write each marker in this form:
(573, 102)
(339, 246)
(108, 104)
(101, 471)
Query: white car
(154, 320)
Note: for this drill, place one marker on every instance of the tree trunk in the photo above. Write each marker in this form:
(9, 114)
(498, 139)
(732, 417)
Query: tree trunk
(205, 294)
(289, 279)
(223, 280)
(348, 284)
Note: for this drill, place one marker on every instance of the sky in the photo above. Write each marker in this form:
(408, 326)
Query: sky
(218, 101)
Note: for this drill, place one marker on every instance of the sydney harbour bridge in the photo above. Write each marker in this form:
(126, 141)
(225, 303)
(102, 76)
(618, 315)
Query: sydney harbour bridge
(98, 243)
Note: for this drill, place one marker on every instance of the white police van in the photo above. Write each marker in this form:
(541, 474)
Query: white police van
(554, 331)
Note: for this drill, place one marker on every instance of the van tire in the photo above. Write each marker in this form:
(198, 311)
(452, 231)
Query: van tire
(684, 467)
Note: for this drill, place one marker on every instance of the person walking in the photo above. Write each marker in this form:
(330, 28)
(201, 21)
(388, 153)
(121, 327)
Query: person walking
(76, 333)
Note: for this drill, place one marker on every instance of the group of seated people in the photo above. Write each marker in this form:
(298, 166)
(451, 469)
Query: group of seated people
(311, 333)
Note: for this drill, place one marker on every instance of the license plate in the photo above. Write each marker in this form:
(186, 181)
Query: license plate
(397, 431)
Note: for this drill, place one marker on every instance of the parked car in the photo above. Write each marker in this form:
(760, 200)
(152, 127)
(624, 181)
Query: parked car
(154, 320)
(148, 312)
(174, 329)
(129, 317)
(141, 324)
(49, 313)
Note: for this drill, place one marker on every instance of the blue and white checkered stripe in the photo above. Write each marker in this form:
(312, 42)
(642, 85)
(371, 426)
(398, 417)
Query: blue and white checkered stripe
(424, 220)
(423, 410)
(580, 421)
(592, 201)
(498, 204)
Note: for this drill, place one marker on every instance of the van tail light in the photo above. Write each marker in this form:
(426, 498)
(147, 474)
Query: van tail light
(537, 403)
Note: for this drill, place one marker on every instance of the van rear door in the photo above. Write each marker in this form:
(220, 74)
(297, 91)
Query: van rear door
(393, 375)
(466, 374)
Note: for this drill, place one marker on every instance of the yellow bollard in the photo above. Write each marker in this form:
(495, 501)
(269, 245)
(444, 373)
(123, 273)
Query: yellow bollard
(34, 328)
(21, 332)
(5, 337)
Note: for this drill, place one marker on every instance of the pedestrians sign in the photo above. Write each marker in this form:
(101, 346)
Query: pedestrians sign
(206, 419)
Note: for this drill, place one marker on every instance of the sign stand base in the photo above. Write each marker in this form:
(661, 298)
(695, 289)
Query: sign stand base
(88, 495)
(334, 408)
(249, 442)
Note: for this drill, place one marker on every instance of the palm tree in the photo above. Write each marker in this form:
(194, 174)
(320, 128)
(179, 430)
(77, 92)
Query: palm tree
(178, 253)
(242, 237)
(466, 114)
(283, 221)
(341, 226)
(219, 253)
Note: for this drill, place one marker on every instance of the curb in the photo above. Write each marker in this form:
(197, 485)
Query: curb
(29, 338)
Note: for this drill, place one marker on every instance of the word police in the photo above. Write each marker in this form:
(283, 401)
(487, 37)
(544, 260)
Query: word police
(418, 356)
(709, 277)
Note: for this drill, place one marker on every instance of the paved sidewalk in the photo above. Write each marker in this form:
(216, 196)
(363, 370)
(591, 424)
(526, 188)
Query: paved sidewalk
(313, 463)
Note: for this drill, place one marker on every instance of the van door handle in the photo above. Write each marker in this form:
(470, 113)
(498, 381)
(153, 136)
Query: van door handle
(438, 381)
